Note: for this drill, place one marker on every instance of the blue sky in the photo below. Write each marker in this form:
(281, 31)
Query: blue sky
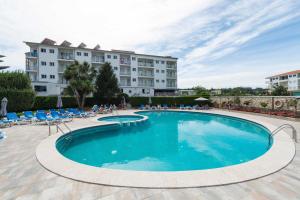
(219, 43)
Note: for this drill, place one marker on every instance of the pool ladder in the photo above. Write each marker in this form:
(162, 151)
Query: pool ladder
(58, 128)
(283, 126)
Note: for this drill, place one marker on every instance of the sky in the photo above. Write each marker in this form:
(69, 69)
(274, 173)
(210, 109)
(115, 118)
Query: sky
(218, 43)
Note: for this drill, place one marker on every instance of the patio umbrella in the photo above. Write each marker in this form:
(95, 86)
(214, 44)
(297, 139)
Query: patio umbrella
(3, 110)
(150, 101)
(124, 101)
(201, 99)
(59, 102)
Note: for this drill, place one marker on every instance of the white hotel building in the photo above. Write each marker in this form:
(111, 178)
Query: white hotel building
(289, 80)
(138, 74)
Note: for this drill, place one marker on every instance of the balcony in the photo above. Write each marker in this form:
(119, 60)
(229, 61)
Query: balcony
(143, 64)
(125, 73)
(66, 56)
(97, 59)
(144, 74)
(125, 61)
(31, 68)
(31, 55)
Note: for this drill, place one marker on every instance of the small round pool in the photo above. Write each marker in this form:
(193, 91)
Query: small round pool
(169, 141)
(121, 118)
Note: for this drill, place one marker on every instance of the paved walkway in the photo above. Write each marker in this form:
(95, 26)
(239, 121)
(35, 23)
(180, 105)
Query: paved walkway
(22, 177)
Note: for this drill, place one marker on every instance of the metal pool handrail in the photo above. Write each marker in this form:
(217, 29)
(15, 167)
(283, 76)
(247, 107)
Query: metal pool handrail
(59, 128)
(286, 126)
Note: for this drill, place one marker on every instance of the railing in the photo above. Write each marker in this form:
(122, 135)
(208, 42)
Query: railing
(58, 128)
(31, 68)
(294, 132)
(97, 59)
(127, 73)
(146, 74)
(66, 56)
(31, 54)
(124, 61)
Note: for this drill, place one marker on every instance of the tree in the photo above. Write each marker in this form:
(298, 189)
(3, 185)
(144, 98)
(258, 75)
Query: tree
(201, 91)
(80, 77)
(107, 85)
(279, 90)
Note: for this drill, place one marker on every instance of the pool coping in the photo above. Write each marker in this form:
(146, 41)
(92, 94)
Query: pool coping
(277, 157)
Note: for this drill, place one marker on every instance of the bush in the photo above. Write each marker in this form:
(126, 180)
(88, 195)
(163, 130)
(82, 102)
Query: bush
(18, 100)
(16, 87)
(48, 102)
(175, 101)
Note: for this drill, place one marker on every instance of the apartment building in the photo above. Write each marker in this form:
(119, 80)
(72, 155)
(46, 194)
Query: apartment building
(138, 74)
(290, 80)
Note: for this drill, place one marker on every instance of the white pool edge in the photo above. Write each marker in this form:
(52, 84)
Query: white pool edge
(277, 157)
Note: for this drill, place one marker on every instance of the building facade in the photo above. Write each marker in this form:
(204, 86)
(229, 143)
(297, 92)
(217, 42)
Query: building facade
(289, 80)
(138, 74)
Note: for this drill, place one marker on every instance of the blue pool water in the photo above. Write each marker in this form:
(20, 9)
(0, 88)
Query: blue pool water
(122, 119)
(168, 141)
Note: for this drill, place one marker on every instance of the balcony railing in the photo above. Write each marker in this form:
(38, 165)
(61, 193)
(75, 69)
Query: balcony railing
(171, 76)
(66, 56)
(172, 66)
(125, 73)
(125, 84)
(31, 68)
(146, 74)
(144, 64)
(31, 54)
(97, 59)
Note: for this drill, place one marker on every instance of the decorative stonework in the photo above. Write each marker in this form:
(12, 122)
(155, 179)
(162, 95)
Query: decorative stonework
(273, 102)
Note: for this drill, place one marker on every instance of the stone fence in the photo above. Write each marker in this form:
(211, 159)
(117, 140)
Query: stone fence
(271, 102)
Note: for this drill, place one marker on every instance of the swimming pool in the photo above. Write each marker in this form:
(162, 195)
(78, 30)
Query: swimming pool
(168, 141)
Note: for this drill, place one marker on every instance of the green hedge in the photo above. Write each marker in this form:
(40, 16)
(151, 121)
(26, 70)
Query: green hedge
(18, 100)
(175, 101)
(48, 102)
(23, 100)
(14, 80)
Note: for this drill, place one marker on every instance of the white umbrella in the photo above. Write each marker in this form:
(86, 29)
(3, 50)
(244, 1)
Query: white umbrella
(59, 102)
(201, 99)
(124, 101)
(150, 101)
(3, 110)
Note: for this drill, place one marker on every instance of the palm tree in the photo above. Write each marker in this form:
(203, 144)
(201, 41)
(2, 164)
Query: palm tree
(81, 78)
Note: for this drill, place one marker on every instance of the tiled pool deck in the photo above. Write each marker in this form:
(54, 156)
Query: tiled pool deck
(22, 177)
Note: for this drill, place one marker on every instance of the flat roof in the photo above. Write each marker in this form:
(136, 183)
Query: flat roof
(97, 50)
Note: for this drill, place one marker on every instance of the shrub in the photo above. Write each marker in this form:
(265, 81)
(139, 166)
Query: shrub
(175, 101)
(16, 87)
(263, 104)
(48, 102)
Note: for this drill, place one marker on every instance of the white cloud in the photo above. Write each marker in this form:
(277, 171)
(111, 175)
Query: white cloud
(197, 31)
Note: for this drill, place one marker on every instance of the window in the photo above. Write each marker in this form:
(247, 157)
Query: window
(115, 68)
(40, 88)
(143, 91)
(157, 61)
(133, 69)
(157, 71)
(115, 57)
(157, 81)
(86, 54)
(129, 91)
(163, 71)
(162, 81)
(51, 50)
(43, 63)
(162, 62)
(43, 76)
(134, 80)
(133, 58)
(52, 76)
(51, 63)
(43, 50)
(122, 91)
(108, 56)
(78, 53)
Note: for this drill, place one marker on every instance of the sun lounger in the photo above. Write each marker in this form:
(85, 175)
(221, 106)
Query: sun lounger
(12, 117)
